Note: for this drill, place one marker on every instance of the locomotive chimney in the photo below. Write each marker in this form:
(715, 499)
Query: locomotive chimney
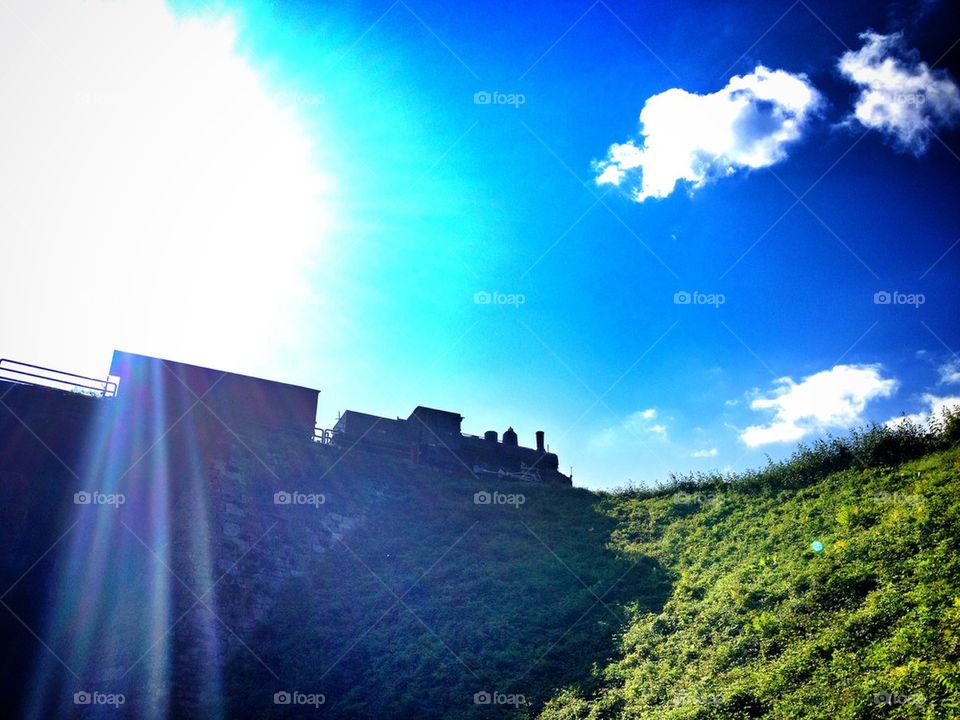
(539, 440)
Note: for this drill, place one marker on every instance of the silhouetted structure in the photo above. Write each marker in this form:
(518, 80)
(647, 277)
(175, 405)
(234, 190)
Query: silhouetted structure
(144, 389)
(170, 389)
(434, 437)
(125, 499)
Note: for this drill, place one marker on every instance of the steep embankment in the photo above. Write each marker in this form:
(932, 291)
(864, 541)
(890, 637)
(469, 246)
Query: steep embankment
(798, 592)
(436, 605)
(810, 589)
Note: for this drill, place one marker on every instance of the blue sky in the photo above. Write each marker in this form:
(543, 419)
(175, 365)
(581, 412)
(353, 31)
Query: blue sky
(363, 197)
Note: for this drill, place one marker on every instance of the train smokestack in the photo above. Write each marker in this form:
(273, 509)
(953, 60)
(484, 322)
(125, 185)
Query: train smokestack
(540, 440)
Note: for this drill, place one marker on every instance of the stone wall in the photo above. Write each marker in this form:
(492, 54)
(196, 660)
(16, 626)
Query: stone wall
(189, 538)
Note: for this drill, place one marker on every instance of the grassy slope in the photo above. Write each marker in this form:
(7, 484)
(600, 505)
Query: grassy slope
(761, 625)
(436, 598)
(714, 603)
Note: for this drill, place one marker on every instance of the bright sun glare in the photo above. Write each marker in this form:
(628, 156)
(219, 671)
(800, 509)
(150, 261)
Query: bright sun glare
(167, 195)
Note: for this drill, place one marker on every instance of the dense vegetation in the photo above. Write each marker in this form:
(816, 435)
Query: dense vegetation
(437, 598)
(827, 586)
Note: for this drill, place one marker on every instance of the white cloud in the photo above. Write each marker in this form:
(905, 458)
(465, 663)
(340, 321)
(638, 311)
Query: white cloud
(640, 418)
(697, 138)
(950, 372)
(935, 405)
(711, 452)
(158, 196)
(834, 398)
(900, 95)
(641, 421)
(635, 425)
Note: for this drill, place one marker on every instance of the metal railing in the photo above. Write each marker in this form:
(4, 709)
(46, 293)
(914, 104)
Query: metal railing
(322, 436)
(29, 374)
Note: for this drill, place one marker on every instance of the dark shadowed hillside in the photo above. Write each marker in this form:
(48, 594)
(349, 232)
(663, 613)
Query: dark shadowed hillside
(381, 587)
(434, 598)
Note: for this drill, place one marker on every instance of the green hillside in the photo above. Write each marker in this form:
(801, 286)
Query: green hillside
(824, 587)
